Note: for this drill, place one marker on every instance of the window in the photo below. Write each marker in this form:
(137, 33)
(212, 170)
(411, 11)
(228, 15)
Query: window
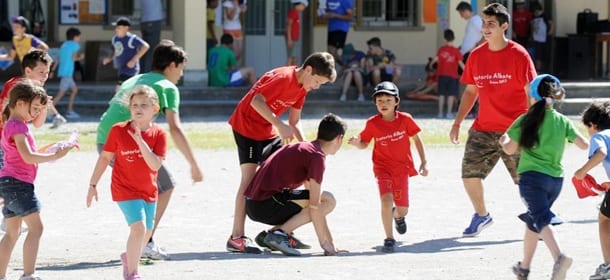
(388, 13)
(132, 10)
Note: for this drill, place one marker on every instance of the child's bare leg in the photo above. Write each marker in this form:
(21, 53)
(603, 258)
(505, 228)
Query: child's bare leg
(32, 242)
(239, 217)
(58, 96)
(359, 83)
(450, 102)
(347, 80)
(387, 201)
(441, 105)
(73, 92)
(7, 244)
(327, 205)
(137, 233)
(604, 236)
(530, 241)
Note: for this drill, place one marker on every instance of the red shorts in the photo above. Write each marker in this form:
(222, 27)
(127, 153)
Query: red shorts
(236, 33)
(398, 186)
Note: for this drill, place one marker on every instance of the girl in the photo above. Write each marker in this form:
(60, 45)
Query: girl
(27, 101)
(138, 147)
(540, 135)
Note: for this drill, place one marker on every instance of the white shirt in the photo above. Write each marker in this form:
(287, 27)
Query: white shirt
(472, 35)
(231, 23)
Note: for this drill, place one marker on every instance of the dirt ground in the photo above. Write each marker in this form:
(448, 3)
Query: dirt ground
(81, 243)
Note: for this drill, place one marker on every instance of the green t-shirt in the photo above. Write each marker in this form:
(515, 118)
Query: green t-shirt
(546, 156)
(118, 110)
(220, 62)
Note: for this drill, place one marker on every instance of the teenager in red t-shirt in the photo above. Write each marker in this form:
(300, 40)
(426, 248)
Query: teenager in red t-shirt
(497, 73)
(138, 148)
(258, 129)
(449, 58)
(273, 197)
(293, 28)
(392, 160)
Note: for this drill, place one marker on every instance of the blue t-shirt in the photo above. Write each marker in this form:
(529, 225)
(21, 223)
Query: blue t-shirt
(66, 58)
(124, 50)
(339, 7)
(151, 10)
(601, 141)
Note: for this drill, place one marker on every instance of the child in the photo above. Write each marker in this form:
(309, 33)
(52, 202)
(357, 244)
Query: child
(353, 60)
(211, 39)
(22, 42)
(222, 66)
(138, 148)
(427, 90)
(27, 101)
(540, 136)
(597, 120)
(259, 130)
(68, 54)
(128, 49)
(542, 28)
(448, 58)
(392, 161)
(293, 28)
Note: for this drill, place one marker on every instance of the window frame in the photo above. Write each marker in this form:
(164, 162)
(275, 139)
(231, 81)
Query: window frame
(384, 24)
(134, 17)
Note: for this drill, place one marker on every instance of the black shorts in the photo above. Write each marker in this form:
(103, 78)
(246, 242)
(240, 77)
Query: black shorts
(448, 86)
(604, 208)
(253, 151)
(336, 39)
(279, 208)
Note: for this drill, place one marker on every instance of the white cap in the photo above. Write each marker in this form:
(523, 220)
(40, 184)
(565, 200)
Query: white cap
(305, 2)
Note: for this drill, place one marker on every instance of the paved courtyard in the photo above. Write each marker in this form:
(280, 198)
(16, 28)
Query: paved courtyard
(81, 243)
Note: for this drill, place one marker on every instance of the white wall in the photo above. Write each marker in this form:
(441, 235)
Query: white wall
(567, 11)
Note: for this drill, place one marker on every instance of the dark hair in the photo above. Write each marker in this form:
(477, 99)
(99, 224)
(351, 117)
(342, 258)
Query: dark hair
(31, 59)
(375, 41)
(497, 10)
(71, 33)
(535, 6)
(25, 90)
(226, 39)
(462, 6)
(322, 64)
(330, 127)
(448, 35)
(534, 117)
(431, 66)
(597, 114)
(165, 53)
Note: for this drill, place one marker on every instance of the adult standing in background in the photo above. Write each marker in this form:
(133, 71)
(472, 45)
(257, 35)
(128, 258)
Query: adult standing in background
(339, 14)
(473, 34)
(151, 22)
(231, 24)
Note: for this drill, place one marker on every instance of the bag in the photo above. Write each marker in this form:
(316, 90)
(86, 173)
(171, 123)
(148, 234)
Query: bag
(586, 22)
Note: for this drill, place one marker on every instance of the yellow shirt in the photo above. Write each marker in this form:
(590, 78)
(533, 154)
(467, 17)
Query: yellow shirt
(23, 45)
(211, 17)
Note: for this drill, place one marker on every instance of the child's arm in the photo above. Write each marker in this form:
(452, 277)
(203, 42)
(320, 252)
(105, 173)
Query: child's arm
(34, 157)
(260, 106)
(461, 64)
(593, 161)
(508, 145)
(78, 55)
(177, 133)
(294, 121)
(419, 145)
(143, 49)
(10, 56)
(318, 218)
(581, 142)
(152, 160)
(109, 58)
(356, 142)
(42, 117)
(100, 166)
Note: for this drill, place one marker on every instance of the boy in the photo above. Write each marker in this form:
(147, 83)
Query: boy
(381, 63)
(270, 202)
(168, 66)
(392, 161)
(497, 73)
(68, 54)
(128, 48)
(259, 131)
(222, 63)
(597, 121)
(22, 42)
(448, 58)
(293, 28)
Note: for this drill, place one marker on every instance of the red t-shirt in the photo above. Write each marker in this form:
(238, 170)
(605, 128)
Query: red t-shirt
(131, 176)
(293, 15)
(500, 78)
(287, 168)
(8, 85)
(281, 91)
(521, 22)
(392, 150)
(449, 58)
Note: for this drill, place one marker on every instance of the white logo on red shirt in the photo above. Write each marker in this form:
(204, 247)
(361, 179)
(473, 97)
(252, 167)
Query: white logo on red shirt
(492, 79)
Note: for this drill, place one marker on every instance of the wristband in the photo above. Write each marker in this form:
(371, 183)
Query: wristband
(455, 125)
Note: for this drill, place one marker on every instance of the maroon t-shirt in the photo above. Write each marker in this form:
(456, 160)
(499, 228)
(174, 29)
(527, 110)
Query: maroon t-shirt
(287, 168)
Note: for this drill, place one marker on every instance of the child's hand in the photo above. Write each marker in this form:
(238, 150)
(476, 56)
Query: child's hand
(106, 60)
(63, 151)
(136, 134)
(423, 170)
(354, 140)
(132, 63)
(91, 194)
(580, 174)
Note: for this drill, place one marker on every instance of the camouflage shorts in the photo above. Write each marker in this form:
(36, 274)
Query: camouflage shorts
(482, 153)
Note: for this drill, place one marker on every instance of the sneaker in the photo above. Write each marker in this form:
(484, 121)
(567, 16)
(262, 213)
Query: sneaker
(449, 116)
(72, 115)
(279, 241)
(602, 272)
(134, 276)
(389, 244)
(260, 240)
(124, 265)
(401, 225)
(477, 225)
(560, 268)
(294, 242)
(30, 277)
(521, 273)
(342, 97)
(440, 116)
(154, 252)
(58, 120)
(361, 97)
(242, 245)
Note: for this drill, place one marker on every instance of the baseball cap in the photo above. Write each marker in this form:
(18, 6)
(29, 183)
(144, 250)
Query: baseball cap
(304, 2)
(386, 88)
(588, 186)
(122, 21)
(21, 20)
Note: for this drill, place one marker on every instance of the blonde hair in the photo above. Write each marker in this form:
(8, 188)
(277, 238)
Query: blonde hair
(142, 90)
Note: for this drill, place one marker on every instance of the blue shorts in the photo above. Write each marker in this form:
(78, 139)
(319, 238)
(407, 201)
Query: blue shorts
(19, 198)
(448, 86)
(139, 210)
(538, 191)
(235, 79)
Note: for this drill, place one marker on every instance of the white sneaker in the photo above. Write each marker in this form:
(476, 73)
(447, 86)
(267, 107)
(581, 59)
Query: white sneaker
(72, 115)
(58, 120)
(361, 97)
(30, 277)
(154, 252)
(450, 116)
(343, 97)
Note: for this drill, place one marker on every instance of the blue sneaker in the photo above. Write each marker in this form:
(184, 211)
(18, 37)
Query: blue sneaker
(477, 225)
